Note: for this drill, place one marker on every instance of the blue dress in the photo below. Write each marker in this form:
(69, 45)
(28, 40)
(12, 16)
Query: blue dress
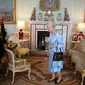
(54, 39)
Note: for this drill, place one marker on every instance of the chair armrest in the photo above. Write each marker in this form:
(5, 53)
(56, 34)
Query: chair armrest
(20, 62)
(17, 60)
(75, 46)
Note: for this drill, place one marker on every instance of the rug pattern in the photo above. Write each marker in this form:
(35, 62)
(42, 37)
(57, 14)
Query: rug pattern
(40, 74)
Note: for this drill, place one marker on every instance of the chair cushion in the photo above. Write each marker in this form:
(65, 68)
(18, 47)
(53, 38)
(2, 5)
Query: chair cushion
(22, 50)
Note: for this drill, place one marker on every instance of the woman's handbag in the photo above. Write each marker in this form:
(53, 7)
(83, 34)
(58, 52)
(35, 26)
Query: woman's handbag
(58, 56)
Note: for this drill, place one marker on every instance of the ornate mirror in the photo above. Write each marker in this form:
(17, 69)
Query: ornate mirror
(52, 5)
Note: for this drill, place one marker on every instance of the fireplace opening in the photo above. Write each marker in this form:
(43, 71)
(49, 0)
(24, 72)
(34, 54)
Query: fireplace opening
(42, 37)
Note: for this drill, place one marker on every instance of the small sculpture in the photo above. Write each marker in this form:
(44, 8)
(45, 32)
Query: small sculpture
(66, 16)
(40, 17)
(49, 15)
(59, 17)
(21, 34)
(33, 17)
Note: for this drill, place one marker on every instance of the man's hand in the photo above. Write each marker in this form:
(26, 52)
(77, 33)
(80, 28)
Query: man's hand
(6, 38)
(5, 45)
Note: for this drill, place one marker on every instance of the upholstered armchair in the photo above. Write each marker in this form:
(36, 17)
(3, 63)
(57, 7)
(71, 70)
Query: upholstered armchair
(78, 57)
(19, 50)
(17, 64)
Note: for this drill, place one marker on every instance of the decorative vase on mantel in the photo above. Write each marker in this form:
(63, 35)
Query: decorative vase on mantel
(49, 15)
(33, 16)
(40, 17)
(66, 15)
(59, 17)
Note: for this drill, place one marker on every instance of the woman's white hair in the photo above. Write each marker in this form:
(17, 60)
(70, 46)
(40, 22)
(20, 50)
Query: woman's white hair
(51, 24)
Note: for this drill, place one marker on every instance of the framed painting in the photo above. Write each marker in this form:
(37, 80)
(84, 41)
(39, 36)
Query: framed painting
(52, 5)
(80, 38)
(8, 10)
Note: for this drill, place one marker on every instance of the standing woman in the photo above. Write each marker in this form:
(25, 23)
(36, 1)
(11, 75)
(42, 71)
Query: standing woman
(55, 40)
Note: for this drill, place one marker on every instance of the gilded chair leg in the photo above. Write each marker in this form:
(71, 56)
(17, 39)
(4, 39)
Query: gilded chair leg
(82, 80)
(6, 72)
(13, 78)
(29, 73)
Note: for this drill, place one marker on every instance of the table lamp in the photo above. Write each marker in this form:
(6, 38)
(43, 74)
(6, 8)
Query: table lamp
(21, 25)
(81, 28)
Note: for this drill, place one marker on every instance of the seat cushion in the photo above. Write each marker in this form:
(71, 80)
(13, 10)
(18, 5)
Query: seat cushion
(22, 50)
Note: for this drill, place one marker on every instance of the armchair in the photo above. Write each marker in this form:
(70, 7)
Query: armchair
(19, 51)
(78, 57)
(17, 64)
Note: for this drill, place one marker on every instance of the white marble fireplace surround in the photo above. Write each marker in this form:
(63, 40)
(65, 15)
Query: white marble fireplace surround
(41, 26)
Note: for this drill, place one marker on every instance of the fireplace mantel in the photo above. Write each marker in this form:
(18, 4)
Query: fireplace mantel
(41, 26)
(59, 23)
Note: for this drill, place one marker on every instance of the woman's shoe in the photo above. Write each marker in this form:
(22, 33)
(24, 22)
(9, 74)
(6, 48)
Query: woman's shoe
(59, 81)
(51, 80)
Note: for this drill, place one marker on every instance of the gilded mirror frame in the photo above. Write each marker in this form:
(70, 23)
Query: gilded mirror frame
(49, 4)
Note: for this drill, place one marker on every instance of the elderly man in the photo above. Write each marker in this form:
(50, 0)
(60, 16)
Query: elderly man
(3, 38)
(2, 30)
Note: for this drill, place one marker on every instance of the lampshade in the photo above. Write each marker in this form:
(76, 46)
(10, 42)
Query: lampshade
(81, 27)
(21, 24)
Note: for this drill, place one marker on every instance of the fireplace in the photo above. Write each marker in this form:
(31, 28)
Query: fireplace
(39, 35)
(41, 40)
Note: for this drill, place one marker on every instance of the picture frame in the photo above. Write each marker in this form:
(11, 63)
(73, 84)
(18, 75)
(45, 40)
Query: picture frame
(26, 35)
(74, 37)
(8, 10)
(49, 5)
(79, 38)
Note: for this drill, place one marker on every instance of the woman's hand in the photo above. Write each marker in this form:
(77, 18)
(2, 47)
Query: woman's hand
(47, 52)
(52, 46)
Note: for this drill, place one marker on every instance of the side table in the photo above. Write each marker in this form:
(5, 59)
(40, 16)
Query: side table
(25, 43)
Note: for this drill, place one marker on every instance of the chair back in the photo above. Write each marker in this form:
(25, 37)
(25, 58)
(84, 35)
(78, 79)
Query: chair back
(10, 56)
(14, 39)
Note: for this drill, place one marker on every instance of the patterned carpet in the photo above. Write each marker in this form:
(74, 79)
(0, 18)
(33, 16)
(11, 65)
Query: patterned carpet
(40, 74)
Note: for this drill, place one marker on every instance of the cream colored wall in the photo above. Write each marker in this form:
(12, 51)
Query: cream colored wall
(24, 9)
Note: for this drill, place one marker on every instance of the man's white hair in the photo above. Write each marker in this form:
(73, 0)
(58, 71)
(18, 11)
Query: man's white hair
(51, 24)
